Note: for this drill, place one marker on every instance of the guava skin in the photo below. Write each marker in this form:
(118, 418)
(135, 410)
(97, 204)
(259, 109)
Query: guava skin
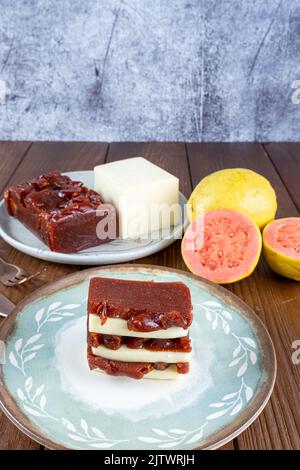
(236, 189)
(282, 263)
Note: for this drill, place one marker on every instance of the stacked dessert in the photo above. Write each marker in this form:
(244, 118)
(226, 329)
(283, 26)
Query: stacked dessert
(139, 328)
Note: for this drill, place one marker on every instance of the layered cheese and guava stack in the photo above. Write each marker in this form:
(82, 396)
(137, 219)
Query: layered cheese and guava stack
(139, 329)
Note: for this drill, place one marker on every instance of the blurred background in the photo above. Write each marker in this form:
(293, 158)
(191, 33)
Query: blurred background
(115, 70)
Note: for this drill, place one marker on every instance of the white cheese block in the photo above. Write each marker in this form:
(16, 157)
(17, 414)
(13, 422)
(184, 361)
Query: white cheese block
(117, 326)
(125, 354)
(146, 196)
(168, 374)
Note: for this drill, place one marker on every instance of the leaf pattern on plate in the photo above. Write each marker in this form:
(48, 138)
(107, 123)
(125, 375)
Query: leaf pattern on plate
(245, 351)
(232, 403)
(34, 401)
(92, 437)
(217, 316)
(33, 398)
(24, 352)
(54, 313)
(173, 437)
(244, 354)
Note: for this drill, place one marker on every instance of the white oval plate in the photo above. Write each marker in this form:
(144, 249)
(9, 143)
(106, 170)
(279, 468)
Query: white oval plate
(116, 251)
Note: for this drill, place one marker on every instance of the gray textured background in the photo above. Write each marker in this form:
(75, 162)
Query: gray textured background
(149, 70)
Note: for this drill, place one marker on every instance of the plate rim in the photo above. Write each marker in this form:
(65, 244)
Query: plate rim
(84, 259)
(218, 438)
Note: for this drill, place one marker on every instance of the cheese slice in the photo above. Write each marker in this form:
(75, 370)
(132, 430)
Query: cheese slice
(145, 196)
(168, 374)
(126, 354)
(117, 326)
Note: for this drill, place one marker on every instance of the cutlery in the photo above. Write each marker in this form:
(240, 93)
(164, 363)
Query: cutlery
(11, 275)
(6, 306)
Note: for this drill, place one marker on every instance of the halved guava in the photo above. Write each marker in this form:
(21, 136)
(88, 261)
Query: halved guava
(281, 240)
(223, 246)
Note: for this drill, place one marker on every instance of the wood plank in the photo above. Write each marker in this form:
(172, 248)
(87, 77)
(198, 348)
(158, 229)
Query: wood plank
(276, 301)
(286, 159)
(11, 154)
(14, 439)
(232, 445)
(172, 157)
(41, 158)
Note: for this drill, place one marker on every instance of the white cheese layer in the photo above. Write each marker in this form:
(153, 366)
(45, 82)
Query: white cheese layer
(168, 374)
(125, 354)
(146, 196)
(117, 326)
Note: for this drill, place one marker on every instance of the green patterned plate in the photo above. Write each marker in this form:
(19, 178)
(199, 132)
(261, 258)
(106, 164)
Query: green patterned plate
(47, 390)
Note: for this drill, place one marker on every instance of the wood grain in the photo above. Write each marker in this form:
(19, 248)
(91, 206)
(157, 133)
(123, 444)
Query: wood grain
(40, 158)
(64, 156)
(11, 154)
(169, 156)
(276, 300)
(285, 157)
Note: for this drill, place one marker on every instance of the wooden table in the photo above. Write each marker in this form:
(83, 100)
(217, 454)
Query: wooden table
(275, 300)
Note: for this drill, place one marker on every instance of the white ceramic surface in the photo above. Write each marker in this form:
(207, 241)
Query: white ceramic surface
(117, 251)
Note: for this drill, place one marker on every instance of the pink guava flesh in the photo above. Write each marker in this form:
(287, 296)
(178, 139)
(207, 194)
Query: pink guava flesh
(224, 247)
(283, 235)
